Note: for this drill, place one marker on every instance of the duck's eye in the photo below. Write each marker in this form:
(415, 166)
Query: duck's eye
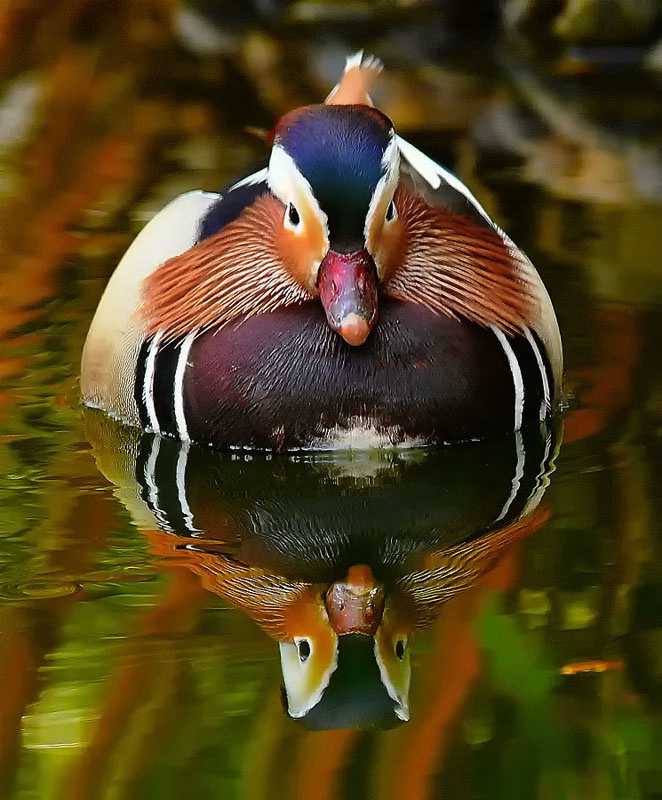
(303, 648)
(400, 648)
(293, 218)
(391, 212)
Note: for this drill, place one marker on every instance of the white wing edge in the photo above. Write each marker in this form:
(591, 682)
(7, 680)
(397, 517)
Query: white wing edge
(545, 323)
(114, 338)
(434, 173)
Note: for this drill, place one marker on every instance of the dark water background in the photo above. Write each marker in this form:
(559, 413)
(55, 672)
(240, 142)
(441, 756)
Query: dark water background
(121, 675)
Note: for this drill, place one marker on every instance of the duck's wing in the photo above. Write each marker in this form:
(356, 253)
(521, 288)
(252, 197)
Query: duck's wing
(437, 186)
(116, 335)
(446, 573)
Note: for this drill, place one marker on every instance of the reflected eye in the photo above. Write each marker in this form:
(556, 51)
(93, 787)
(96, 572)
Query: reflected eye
(391, 212)
(303, 648)
(292, 217)
(400, 648)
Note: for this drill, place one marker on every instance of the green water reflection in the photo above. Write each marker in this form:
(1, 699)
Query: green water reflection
(126, 671)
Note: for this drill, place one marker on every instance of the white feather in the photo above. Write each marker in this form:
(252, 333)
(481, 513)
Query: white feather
(434, 173)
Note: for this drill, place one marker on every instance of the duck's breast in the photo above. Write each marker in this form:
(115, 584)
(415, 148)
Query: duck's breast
(285, 380)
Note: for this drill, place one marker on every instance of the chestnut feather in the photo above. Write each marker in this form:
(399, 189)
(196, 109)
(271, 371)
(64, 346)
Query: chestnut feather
(451, 571)
(236, 272)
(451, 266)
(456, 267)
(269, 599)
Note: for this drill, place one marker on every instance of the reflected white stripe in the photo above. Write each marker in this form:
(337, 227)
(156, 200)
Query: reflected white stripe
(152, 488)
(178, 388)
(543, 478)
(182, 461)
(148, 383)
(518, 382)
(517, 477)
(547, 407)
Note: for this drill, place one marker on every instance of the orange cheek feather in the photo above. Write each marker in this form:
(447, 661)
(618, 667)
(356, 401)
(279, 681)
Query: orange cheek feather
(387, 242)
(307, 617)
(302, 253)
(391, 249)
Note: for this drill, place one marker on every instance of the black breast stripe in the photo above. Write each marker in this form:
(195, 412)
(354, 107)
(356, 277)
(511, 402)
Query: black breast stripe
(531, 372)
(139, 384)
(534, 391)
(164, 386)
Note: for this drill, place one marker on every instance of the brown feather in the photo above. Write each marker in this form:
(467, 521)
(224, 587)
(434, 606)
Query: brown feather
(449, 572)
(237, 272)
(454, 266)
(268, 599)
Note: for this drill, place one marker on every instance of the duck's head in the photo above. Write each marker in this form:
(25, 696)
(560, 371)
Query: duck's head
(342, 666)
(335, 169)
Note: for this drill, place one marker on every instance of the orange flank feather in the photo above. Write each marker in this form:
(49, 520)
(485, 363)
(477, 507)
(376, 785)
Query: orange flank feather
(278, 606)
(357, 81)
(236, 272)
(442, 575)
(457, 267)
(445, 262)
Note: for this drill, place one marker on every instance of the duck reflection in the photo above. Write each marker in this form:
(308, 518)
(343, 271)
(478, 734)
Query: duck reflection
(340, 559)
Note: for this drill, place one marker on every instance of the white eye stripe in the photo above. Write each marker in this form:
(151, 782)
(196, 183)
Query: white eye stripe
(386, 185)
(391, 157)
(290, 186)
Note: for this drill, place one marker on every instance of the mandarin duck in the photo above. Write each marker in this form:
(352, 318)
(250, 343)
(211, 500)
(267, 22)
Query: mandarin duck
(351, 293)
(340, 561)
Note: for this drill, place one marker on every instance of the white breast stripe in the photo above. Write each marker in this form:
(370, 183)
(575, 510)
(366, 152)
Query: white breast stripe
(518, 382)
(434, 173)
(148, 383)
(517, 477)
(182, 461)
(178, 388)
(546, 405)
